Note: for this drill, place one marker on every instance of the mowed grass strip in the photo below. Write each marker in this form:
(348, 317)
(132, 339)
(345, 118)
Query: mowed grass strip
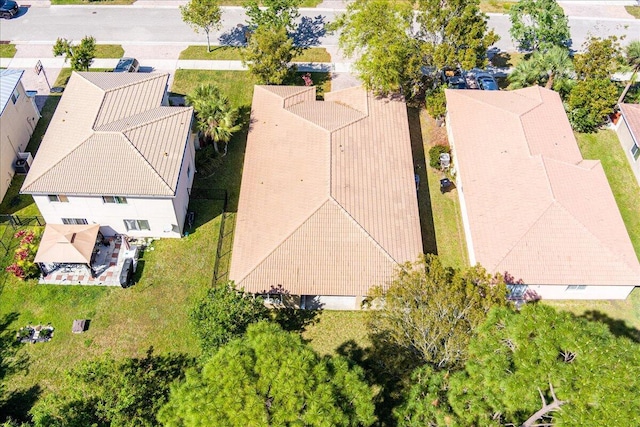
(109, 51)
(233, 53)
(7, 50)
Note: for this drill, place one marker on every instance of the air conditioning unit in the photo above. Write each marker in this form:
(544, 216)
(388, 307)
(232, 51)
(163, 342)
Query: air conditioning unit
(23, 163)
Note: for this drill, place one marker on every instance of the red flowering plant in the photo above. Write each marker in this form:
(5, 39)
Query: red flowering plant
(23, 266)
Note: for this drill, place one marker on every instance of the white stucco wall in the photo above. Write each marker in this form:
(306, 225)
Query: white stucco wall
(160, 212)
(561, 292)
(17, 123)
(626, 140)
(185, 182)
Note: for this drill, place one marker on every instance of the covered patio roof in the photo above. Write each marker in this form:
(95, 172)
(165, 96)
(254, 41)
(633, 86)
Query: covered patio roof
(72, 244)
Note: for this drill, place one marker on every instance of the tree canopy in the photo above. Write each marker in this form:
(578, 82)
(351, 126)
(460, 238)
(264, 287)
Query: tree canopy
(524, 366)
(377, 34)
(202, 15)
(223, 314)
(270, 377)
(432, 310)
(590, 101)
(549, 67)
(600, 59)
(632, 58)
(268, 55)
(539, 24)
(456, 32)
(273, 13)
(80, 55)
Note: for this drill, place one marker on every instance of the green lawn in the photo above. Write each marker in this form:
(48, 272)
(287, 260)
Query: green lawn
(7, 50)
(496, 6)
(231, 53)
(447, 217)
(109, 51)
(332, 329)
(92, 2)
(634, 11)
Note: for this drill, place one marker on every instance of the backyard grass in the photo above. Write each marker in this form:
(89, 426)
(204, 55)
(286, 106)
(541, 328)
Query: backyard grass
(232, 53)
(7, 50)
(633, 11)
(332, 329)
(109, 51)
(605, 146)
(447, 218)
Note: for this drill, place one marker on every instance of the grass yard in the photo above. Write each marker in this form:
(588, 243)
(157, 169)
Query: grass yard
(232, 53)
(633, 11)
(7, 50)
(332, 329)
(93, 2)
(496, 6)
(109, 51)
(446, 215)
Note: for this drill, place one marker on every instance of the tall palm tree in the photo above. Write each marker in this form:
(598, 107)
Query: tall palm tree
(543, 66)
(525, 73)
(632, 54)
(216, 118)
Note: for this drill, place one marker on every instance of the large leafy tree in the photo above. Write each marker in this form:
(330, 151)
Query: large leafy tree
(377, 34)
(432, 310)
(202, 15)
(268, 55)
(548, 67)
(80, 55)
(533, 367)
(539, 24)
(272, 13)
(632, 57)
(590, 101)
(223, 314)
(270, 378)
(456, 32)
(107, 392)
(216, 118)
(600, 59)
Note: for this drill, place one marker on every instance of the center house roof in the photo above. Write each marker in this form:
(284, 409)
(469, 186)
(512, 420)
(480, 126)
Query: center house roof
(328, 201)
(111, 134)
(535, 207)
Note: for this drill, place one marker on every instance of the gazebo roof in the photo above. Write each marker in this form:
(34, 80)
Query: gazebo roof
(71, 244)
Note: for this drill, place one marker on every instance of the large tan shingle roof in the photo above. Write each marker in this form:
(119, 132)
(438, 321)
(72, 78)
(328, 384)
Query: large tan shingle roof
(110, 134)
(536, 209)
(328, 203)
(631, 114)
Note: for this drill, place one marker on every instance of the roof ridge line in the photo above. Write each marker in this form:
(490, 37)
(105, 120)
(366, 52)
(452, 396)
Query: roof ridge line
(173, 112)
(146, 161)
(264, 258)
(363, 230)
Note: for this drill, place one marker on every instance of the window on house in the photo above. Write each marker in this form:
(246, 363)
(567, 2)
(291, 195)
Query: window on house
(58, 198)
(189, 171)
(74, 221)
(136, 224)
(635, 151)
(576, 287)
(114, 199)
(15, 95)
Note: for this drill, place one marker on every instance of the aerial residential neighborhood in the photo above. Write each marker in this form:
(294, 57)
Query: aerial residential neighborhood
(319, 213)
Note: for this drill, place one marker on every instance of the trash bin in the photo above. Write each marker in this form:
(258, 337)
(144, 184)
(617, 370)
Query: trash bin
(126, 275)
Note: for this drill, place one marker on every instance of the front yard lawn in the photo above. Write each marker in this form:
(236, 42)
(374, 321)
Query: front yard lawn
(7, 50)
(109, 51)
(232, 53)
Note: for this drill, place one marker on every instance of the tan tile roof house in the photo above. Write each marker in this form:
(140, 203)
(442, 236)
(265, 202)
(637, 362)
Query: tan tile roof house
(328, 202)
(117, 155)
(532, 206)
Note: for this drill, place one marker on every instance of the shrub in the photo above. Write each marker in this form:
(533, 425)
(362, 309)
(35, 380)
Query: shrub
(23, 266)
(434, 155)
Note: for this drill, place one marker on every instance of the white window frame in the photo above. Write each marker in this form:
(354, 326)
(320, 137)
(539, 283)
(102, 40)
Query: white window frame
(635, 151)
(75, 221)
(58, 198)
(136, 225)
(15, 95)
(118, 200)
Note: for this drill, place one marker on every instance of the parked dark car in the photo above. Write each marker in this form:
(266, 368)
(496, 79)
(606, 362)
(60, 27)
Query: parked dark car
(8, 9)
(453, 78)
(127, 65)
(486, 82)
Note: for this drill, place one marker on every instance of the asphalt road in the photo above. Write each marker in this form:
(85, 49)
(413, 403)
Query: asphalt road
(127, 24)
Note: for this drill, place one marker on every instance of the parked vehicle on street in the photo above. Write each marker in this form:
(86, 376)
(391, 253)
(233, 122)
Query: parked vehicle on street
(453, 78)
(486, 82)
(127, 65)
(8, 9)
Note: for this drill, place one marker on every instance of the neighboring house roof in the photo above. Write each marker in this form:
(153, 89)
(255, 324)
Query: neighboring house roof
(110, 134)
(328, 202)
(9, 79)
(631, 114)
(535, 208)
